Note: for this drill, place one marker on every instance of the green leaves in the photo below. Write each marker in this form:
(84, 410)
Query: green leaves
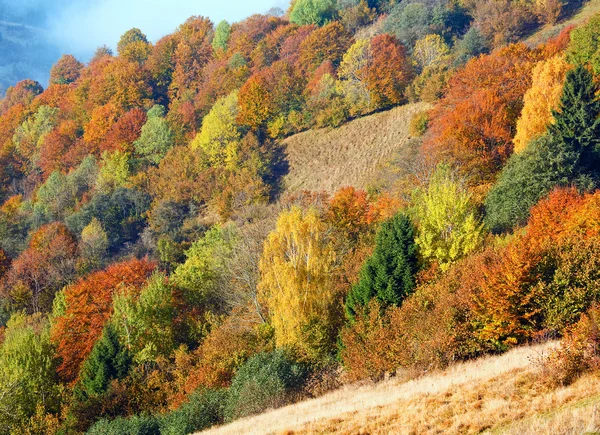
(388, 275)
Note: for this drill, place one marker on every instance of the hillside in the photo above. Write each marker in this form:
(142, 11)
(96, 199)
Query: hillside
(496, 395)
(352, 155)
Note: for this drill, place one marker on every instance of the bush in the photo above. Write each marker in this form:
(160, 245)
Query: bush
(136, 425)
(204, 409)
(419, 123)
(267, 380)
(579, 351)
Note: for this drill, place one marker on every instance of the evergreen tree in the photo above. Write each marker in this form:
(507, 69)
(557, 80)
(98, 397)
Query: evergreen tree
(576, 127)
(388, 274)
(569, 154)
(109, 360)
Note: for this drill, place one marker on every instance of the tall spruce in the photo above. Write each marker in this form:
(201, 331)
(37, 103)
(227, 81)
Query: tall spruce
(568, 155)
(388, 275)
(576, 127)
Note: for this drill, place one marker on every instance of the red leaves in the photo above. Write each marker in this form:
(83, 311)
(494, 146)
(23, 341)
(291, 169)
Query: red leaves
(88, 307)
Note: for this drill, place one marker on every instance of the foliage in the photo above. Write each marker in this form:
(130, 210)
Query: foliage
(203, 410)
(27, 372)
(430, 51)
(267, 380)
(220, 134)
(584, 45)
(295, 267)
(388, 275)
(66, 70)
(88, 307)
(319, 12)
(540, 100)
(449, 227)
(222, 32)
(567, 155)
(156, 137)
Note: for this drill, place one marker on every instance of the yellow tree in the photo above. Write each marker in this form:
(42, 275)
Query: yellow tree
(220, 134)
(448, 225)
(296, 283)
(540, 100)
(430, 51)
(353, 74)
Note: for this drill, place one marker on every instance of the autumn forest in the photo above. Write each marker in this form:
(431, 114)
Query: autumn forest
(158, 276)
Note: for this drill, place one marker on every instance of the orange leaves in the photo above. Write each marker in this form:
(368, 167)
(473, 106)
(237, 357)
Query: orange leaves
(88, 307)
(102, 120)
(474, 123)
(390, 71)
(256, 105)
(329, 42)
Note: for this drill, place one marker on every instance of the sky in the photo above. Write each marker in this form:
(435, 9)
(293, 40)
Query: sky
(78, 27)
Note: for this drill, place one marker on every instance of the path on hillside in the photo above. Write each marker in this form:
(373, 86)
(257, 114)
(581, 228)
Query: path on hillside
(354, 399)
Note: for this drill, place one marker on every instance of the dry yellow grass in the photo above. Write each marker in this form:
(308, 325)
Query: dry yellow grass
(352, 155)
(465, 398)
(588, 10)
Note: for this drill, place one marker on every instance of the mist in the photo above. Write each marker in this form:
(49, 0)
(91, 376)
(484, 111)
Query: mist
(79, 27)
(35, 33)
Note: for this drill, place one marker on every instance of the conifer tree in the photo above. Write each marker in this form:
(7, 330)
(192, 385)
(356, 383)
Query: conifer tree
(576, 127)
(109, 360)
(569, 154)
(388, 274)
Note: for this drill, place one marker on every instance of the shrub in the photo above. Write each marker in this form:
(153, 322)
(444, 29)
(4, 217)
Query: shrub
(136, 425)
(579, 351)
(267, 380)
(204, 409)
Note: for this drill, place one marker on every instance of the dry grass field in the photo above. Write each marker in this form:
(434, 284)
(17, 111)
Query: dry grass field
(496, 395)
(589, 9)
(352, 155)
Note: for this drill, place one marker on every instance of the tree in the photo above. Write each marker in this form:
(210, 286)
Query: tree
(576, 126)
(329, 42)
(30, 135)
(145, 324)
(66, 70)
(220, 133)
(221, 37)
(584, 47)
(42, 269)
(256, 105)
(389, 73)
(408, 22)
(201, 275)
(134, 46)
(388, 275)
(539, 101)
(319, 12)
(296, 282)
(430, 51)
(569, 154)
(108, 360)
(27, 372)
(94, 243)
(353, 73)
(156, 137)
(472, 126)
(89, 304)
(448, 224)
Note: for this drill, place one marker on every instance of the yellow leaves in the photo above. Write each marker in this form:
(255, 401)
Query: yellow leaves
(448, 226)
(220, 134)
(296, 274)
(430, 51)
(540, 100)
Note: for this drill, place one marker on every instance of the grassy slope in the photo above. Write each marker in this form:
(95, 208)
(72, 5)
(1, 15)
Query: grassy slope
(352, 155)
(496, 395)
(589, 9)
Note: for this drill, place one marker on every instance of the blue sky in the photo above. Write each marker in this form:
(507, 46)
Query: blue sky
(85, 25)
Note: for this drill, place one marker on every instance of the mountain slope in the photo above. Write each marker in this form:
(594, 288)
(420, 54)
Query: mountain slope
(492, 392)
(352, 155)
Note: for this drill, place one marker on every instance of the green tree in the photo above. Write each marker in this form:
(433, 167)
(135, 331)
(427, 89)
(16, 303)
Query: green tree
(220, 134)
(156, 137)
(448, 224)
(584, 47)
(108, 360)
(134, 46)
(569, 154)
(145, 323)
(388, 275)
(201, 275)
(115, 170)
(28, 377)
(319, 12)
(221, 38)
